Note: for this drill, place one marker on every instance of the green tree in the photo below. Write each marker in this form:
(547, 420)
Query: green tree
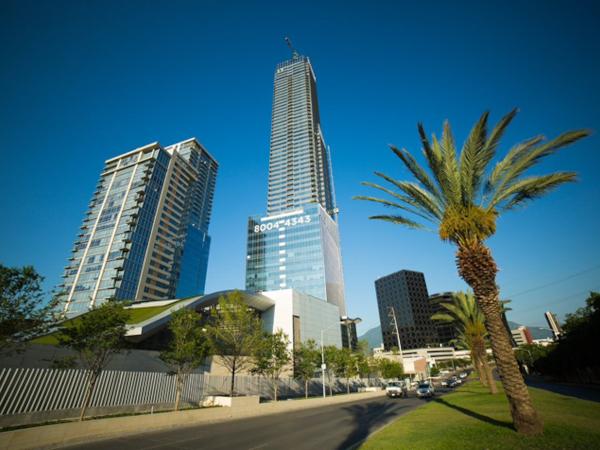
(529, 354)
(187, 348)
(272, 357)
(344, 365)
(434, 371)
(23, 314)
(582, 316)
(307, 358)
(96, 336)
(234, 333)
(330, 352)
(390, 369)
(463, 197)
(469, 321)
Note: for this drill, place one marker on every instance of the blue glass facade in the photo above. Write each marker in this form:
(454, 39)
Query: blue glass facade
(297, 249)
(145, 232)
(296, 245)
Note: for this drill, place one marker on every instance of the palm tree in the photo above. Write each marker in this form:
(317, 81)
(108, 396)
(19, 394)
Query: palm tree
(469, 322)
(463, 197)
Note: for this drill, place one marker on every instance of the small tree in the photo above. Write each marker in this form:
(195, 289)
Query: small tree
(22, 313)
(234, 333)
(187, 348)
(307, 358)
(344, 365)
(331, 352)
(96, 336)
(272, 356)
(390, 369)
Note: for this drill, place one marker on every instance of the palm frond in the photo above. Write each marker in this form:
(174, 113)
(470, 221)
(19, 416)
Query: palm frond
(471, 159)
(390, 204)
(503, 166)
(420, 174)
(399, 220)
(531, 188)
(441, 317)
(433, 155)
(419, 210)
(450, 165)
(528, 158)
(417, 193)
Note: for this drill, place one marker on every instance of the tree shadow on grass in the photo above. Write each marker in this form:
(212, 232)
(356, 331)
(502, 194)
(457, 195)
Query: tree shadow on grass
(468, 412)
(366, 417)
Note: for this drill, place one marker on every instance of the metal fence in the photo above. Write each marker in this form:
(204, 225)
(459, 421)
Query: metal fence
(25, 391)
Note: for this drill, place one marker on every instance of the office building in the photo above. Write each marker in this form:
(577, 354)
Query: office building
(296, 245)
(446, 331)
(145, 234)
(406, 293)
(554, 324)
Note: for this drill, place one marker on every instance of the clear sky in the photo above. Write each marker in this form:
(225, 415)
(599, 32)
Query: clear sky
(84, 81)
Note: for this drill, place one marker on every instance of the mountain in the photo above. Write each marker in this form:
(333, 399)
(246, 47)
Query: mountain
(373, 336)
(536, 332)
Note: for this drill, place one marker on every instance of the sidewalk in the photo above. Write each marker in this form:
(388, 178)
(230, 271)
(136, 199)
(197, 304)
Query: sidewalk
(63, 434)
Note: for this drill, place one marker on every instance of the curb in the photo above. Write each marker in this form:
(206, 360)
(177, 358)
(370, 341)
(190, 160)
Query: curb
(65, 434)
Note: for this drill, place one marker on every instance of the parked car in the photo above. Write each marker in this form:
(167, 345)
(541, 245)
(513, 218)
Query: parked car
(463, 375)
(444, 383)
(425, 390)
(396, 389)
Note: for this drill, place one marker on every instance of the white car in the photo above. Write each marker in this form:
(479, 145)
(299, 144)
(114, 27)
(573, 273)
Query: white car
(396, 389)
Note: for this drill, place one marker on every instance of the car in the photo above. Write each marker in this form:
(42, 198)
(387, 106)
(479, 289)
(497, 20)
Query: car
(463, 375)
(396, 389)
(425, 390)
(444, 383)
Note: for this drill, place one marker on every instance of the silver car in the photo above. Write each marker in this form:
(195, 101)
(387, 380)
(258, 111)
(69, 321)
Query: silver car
(424, 390)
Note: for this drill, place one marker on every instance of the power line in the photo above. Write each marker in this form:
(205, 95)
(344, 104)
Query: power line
(558, 300)
(568, 277)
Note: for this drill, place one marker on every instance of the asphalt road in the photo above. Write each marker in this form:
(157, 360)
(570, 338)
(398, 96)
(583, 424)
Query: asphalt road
(330, 427)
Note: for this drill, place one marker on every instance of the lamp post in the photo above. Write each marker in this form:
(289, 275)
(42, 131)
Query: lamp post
(343, 321)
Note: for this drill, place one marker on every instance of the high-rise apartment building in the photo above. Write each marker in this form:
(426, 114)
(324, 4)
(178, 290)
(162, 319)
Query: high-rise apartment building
(554, 324)
(145, 235)
(297, 245)
(406, 292)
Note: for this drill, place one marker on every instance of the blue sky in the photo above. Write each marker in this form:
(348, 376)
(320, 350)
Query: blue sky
(85, 81)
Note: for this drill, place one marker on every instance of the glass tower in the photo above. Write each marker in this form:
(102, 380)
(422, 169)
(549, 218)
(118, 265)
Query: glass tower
(145, 234)
(296, 245)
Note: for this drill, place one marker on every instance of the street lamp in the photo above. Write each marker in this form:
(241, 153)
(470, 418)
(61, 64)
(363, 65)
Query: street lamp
(346, 321)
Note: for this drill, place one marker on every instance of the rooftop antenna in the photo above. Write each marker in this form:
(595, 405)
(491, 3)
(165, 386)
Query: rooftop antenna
(291, 47)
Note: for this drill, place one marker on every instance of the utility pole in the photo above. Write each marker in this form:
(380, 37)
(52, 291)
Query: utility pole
(394, 323)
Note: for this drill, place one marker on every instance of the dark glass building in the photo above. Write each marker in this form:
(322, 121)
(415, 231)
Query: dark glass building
(406, 292)
(446, 331)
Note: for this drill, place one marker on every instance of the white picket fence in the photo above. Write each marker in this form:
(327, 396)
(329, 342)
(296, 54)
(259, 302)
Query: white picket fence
(24, 391)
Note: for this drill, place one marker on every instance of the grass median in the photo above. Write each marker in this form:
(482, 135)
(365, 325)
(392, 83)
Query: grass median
(471, 418)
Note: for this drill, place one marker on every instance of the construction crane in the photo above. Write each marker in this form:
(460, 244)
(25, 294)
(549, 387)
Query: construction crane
(291, 47)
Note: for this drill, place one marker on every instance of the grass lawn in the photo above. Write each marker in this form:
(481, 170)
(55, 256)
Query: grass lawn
(470, 418)
(136, 315)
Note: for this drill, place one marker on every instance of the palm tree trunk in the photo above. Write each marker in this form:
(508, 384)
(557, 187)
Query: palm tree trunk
(487, 373)
(306, 388)
(478, 268)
